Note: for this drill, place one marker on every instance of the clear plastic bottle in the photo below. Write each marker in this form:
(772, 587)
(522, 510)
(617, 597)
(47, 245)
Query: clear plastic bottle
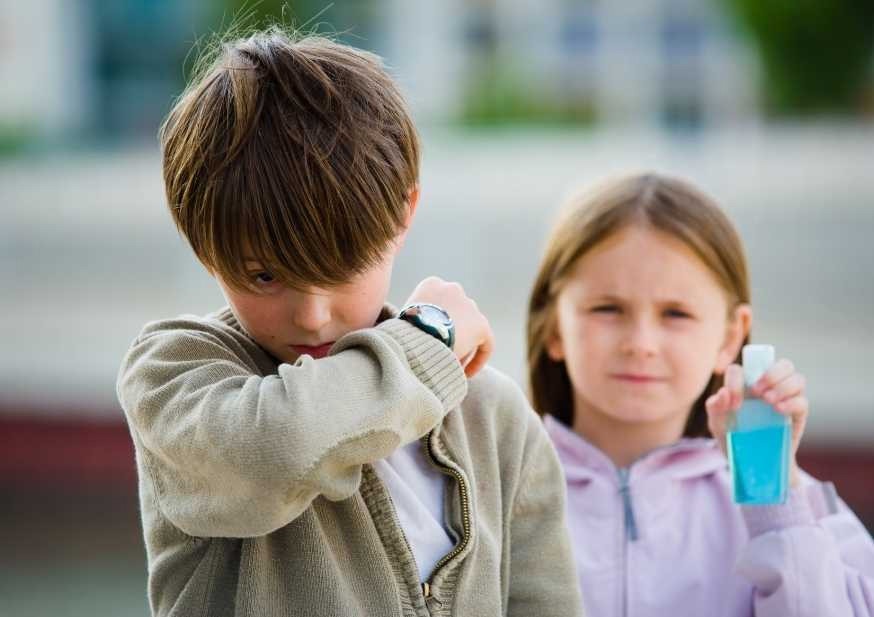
(758, 439)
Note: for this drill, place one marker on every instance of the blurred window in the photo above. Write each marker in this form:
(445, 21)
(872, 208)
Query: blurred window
(579, 30)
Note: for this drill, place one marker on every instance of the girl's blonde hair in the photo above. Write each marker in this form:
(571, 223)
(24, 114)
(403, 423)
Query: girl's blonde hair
(666, 204)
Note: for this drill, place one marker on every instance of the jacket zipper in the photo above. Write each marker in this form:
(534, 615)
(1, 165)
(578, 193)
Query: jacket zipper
(629, 531)
(465, 511)
(397, 522)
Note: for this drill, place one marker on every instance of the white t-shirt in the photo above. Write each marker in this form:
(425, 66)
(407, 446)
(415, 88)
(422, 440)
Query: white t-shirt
(417, 490)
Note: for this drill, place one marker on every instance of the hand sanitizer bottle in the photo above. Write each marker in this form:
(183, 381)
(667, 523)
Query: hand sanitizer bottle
(758, 439)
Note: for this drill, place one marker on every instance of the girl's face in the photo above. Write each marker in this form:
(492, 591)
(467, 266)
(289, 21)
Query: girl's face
(641, 324)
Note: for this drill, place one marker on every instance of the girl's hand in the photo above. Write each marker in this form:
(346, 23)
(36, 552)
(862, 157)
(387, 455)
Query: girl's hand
(781, 386)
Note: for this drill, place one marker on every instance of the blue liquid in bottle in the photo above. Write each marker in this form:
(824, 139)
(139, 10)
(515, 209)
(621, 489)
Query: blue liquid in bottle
(758, 442)
(759, 457)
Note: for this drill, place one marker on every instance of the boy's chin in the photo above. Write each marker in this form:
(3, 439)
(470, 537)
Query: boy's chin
(283, 356)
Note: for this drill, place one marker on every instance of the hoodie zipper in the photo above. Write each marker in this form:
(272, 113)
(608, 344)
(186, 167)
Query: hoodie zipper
(629, 531)
(625, 491)
(464, 494)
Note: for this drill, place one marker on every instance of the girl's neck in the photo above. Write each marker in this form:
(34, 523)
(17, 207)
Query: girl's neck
(626, 442)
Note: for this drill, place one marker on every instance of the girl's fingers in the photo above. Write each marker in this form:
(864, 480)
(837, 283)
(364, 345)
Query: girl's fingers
(797, 410)
(719, 402)
(798, 429)
(734, 383)
(790, 387)
(796, 407)
(718, 407)
(781, 369)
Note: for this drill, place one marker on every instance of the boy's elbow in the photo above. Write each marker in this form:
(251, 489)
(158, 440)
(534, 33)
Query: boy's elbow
(241, 517)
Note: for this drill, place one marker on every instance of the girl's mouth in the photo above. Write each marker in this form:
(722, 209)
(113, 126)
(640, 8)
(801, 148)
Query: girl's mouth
(637, 378)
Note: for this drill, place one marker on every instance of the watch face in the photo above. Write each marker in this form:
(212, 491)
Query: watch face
(432, 319)
(435, 313)
(437, 318)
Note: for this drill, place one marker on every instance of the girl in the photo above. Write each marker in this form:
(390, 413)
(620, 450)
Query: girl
(635, 325)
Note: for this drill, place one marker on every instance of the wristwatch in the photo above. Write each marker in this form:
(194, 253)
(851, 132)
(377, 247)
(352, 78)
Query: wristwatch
(431, 319)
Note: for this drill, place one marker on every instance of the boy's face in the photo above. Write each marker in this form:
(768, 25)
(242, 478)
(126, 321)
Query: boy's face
(289, 323)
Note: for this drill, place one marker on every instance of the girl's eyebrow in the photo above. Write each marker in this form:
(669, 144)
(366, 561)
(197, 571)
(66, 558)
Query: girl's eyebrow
(683, 302)
(602, 297)
(612, 297)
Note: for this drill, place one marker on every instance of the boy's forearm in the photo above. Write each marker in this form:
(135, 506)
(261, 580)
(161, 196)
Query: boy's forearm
(236, 454)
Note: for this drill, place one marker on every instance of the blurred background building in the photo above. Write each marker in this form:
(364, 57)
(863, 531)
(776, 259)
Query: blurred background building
(768, 106)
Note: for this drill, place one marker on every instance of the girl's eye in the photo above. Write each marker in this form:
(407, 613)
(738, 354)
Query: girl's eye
(676, 314)
(605, 308)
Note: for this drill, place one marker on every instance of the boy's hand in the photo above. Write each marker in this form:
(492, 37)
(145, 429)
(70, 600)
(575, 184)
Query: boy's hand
(781, 387)
(474, 340)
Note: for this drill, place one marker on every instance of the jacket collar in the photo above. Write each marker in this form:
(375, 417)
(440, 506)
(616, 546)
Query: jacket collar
(688, 458)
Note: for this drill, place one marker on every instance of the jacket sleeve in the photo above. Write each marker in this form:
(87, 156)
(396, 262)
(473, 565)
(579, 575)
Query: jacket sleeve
(231, 453)
(803, 564)
(543, 578)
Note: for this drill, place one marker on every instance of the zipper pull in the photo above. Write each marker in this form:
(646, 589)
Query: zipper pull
(426, 589)
(625, 491)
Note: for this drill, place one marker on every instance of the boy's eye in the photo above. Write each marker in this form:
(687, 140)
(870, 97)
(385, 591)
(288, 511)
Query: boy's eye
(263, 278)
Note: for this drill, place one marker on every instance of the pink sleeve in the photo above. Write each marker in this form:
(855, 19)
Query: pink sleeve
(809, 556)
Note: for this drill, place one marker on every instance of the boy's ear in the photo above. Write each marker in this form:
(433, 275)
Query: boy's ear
(412, 202)
(736, 331)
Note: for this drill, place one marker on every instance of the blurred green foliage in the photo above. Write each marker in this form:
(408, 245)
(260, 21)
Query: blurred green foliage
(230, 18)
(308, 16)
(258, 13)
(816, 54)
(15, 137)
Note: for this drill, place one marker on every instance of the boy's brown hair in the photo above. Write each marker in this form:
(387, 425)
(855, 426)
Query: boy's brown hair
(665, 204)
(298, 153)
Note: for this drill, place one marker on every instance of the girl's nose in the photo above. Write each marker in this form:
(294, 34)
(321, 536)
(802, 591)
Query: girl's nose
(311, 311)
(641, 339)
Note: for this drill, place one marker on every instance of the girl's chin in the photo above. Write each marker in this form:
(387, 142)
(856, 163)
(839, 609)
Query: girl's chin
(636, 412)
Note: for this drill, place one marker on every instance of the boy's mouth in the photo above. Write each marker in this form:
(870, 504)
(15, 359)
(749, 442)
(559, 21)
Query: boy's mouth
(316, 351)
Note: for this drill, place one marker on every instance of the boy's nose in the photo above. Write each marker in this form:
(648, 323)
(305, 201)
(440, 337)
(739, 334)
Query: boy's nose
(311, 312)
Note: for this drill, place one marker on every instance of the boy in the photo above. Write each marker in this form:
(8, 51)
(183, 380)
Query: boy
(307, 451)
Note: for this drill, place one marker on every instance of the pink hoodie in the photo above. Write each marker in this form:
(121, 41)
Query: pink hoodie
(663, 538)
